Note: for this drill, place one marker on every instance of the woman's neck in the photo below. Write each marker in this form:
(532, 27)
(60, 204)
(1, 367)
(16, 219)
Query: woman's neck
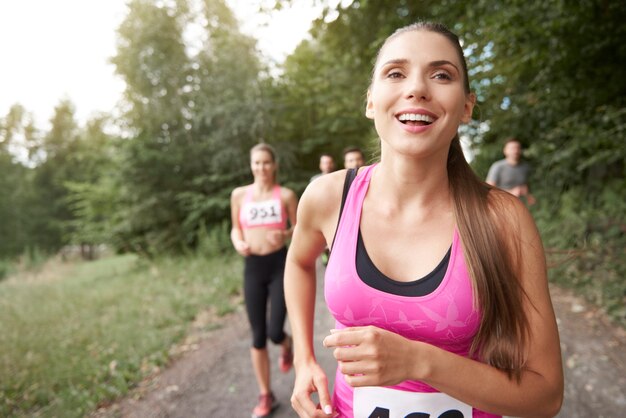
(263, 186)
(422, 182)
(414, 177)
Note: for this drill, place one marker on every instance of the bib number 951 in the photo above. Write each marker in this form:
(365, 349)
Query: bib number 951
(263, 213)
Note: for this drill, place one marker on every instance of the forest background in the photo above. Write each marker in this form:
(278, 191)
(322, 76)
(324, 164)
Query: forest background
(548, 73)
(154, 179)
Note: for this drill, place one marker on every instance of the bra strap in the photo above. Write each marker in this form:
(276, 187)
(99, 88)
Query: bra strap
(350, 176)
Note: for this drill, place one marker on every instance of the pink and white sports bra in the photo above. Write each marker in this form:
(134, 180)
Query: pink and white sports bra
(269, 213)
(445, 317)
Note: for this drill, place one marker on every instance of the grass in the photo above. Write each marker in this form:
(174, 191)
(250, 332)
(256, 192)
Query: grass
(76, 339)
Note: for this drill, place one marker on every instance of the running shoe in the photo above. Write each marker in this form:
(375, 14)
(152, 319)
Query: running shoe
(267, 404)
(285, 361)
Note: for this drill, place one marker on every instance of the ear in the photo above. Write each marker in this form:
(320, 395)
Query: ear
(468, 108)
(369, 107)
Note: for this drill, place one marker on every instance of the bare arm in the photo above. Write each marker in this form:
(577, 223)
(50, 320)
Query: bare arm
(291, 203)
(236, 233)
(315, 211)
(525, 191)
(371, 356)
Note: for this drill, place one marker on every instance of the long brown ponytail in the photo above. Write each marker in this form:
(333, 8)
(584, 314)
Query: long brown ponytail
(491, 260)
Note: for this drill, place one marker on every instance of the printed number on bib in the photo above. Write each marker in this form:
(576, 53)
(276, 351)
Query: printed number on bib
(379, 402)
(263, 213)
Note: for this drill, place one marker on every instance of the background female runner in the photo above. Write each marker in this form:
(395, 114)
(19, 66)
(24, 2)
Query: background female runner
(260, 213)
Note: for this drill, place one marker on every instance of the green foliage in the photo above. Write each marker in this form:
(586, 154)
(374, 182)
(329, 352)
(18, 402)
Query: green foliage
(93, 207)
(193, 108)
(549, 81)
(195, 111)
(214, 242)
(56, 151)
(14, 189)
(93, 196)
(89, 333)
(585, 241)
(17, 202)
(6, 268)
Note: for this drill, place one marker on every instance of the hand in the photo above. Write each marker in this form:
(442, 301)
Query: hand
(275, 237)
(310, 378)
(242, 248)
(371, 356)
(516, 191)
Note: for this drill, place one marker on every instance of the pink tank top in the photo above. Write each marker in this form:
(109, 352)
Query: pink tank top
(445, 318)
(269, 213)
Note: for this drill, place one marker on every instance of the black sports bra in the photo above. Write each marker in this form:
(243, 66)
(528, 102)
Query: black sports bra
(370, 275)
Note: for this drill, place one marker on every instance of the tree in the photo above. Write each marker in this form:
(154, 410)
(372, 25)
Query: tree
(93, 197)
(192, 114)
(50, 213)
(15, 182)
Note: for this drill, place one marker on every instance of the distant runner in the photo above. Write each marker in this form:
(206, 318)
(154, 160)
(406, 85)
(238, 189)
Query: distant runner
(511, 173)
(260, 214)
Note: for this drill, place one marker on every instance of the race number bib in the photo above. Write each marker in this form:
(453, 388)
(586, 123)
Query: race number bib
(263, 213)
(379, 402)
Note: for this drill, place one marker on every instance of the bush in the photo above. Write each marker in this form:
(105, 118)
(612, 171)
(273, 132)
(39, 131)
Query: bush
(585, 239)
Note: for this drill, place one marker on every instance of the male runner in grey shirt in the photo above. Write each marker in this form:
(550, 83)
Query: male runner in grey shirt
(511, 173)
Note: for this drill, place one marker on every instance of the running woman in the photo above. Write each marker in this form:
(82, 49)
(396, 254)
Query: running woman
(263, 216)
(436, 280)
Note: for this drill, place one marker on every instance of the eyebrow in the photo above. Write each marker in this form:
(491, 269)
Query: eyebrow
(403, 61)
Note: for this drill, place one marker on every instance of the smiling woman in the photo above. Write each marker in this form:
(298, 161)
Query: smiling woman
(436, 280)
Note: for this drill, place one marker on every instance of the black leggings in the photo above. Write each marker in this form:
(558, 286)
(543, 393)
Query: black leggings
(263, 278)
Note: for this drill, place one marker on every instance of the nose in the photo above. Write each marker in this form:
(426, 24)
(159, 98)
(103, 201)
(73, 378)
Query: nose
(417, 88)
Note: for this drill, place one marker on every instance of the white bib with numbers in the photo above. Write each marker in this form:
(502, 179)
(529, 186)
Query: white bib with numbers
(267, 212)
(381, 402)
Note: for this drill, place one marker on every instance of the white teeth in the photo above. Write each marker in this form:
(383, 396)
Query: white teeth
(415, 117)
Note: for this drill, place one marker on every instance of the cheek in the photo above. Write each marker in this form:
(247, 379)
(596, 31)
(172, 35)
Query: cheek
(457, 105)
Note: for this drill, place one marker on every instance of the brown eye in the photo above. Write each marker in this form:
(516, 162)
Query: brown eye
(394, 74)
(442, 75)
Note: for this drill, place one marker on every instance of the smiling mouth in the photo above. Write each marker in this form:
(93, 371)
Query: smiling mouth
(415, 119)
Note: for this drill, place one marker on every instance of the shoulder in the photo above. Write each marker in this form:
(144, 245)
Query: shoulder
(323, 186)
(323, 196)
(499, 164)
(510, 214)
(495, 169)
(502, 205)
(238, 193)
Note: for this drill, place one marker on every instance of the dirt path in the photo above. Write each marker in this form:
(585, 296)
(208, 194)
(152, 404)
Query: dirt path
(594, 359)
(214, 379)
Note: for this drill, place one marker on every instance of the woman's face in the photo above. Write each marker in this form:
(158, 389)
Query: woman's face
(262, 165)
(417, 98)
